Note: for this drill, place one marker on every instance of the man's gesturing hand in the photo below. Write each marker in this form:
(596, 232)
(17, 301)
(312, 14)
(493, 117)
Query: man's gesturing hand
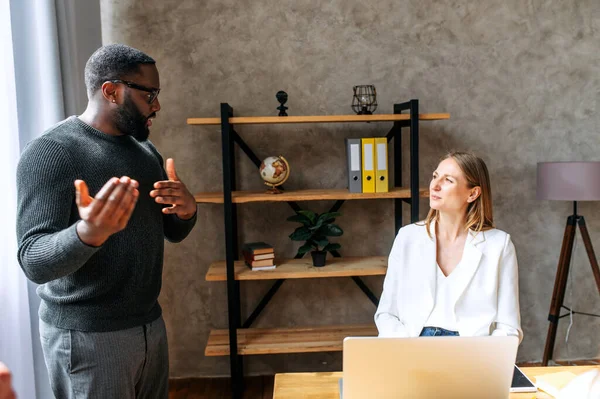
(174, 192)
(108, 212)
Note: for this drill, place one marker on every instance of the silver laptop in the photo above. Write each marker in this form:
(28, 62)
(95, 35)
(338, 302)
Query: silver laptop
(428, 367)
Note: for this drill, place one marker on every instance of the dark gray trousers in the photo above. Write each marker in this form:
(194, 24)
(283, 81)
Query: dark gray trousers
(126, 364)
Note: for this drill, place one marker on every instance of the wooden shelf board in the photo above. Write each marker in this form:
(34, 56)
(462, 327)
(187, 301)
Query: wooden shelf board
(303, 268)
(240, 197)
(256, 120)
(262, 341)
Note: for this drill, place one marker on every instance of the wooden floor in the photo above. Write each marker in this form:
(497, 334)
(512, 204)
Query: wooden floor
(262, 387)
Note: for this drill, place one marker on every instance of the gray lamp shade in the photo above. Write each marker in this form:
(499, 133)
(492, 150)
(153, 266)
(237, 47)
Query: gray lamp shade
(568, 181)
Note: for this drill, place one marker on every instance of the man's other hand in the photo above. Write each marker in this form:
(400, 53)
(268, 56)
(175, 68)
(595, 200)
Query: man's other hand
(175, 193)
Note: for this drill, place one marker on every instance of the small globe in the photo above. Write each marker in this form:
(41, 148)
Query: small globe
(274, 170)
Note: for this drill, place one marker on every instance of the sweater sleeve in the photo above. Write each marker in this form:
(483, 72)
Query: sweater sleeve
(48, 244)
(177, 229)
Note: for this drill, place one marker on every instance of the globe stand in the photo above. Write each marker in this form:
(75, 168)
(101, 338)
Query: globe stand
(273, 189)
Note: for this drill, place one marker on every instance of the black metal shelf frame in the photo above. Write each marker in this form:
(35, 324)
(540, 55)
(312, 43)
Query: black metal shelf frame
(230, 137)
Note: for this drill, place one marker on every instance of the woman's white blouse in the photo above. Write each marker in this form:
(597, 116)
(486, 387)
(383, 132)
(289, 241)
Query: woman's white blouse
(483, 297)
(442, 314)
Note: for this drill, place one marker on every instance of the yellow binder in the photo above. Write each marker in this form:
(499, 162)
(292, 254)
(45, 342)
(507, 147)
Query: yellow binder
(368, 165)
(381, 165)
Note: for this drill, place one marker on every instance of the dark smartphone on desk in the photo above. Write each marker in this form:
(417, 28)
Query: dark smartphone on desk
(520, 382)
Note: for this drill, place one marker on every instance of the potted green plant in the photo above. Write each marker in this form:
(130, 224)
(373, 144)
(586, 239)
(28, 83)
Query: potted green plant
(314, 231)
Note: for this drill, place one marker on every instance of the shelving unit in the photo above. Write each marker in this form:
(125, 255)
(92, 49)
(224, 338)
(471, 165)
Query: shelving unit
(239, 339)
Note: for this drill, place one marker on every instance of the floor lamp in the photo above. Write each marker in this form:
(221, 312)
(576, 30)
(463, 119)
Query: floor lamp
(568, 181)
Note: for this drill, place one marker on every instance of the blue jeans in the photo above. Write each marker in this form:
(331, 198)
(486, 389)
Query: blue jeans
(437, 332)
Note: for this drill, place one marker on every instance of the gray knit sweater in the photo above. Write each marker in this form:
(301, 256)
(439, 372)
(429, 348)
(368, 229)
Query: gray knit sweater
(111, 287)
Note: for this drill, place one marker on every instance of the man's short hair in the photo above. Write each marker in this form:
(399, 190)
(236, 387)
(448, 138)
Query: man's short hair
(113, 61)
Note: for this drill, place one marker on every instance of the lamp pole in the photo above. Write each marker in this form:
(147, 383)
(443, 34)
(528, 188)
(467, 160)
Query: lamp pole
(562, 274)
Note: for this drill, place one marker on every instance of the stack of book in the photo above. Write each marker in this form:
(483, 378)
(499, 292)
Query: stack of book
(259, 255)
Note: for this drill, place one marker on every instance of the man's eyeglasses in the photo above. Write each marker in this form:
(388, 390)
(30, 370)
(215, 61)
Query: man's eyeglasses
(153, 92)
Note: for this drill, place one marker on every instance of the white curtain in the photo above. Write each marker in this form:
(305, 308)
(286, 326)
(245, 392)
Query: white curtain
(35, 36)
(32, 100)
(15, 326)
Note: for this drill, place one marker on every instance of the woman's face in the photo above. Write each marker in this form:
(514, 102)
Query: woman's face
(448, 190)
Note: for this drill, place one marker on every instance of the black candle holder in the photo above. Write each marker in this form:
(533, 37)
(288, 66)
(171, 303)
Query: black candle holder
(282, 97)
(364, 101)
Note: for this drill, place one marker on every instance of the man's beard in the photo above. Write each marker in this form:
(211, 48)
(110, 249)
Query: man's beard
(130, 121)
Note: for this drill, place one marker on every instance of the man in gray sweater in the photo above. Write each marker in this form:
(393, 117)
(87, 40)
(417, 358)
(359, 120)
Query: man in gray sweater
(99, 258)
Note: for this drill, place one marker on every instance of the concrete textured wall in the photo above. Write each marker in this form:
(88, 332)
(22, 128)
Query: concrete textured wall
(521, 80)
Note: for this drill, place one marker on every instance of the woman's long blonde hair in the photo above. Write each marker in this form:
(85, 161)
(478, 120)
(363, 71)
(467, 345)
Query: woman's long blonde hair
(479, 212)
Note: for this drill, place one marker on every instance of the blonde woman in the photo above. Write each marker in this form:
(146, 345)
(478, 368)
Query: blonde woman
(454, 273)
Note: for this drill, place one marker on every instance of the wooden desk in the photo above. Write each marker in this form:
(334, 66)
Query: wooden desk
(325, 385)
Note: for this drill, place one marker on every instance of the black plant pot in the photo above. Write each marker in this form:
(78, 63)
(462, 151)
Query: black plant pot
(318, 258)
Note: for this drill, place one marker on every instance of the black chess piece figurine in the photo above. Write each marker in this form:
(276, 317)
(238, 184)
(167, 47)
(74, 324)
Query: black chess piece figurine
(282, 97)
